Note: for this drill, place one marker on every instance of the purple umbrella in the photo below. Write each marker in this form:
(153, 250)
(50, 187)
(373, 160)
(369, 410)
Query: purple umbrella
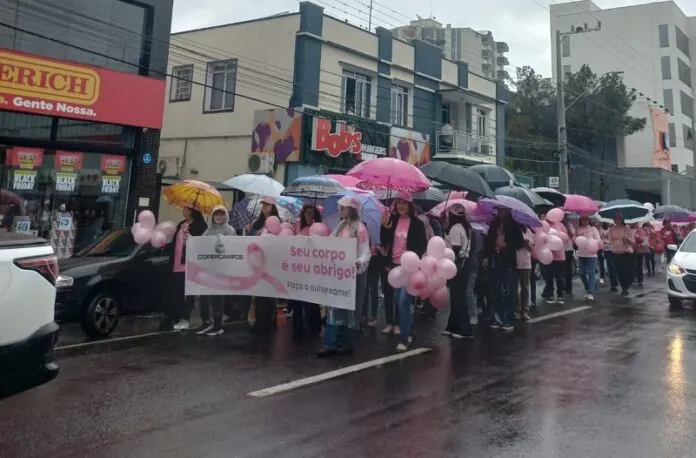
(520, 212)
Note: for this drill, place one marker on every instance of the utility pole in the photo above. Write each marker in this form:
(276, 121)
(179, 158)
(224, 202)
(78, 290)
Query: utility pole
(369, 23)
(563, 172)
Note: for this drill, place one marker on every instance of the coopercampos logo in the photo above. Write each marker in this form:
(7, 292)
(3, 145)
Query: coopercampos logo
(220, 253)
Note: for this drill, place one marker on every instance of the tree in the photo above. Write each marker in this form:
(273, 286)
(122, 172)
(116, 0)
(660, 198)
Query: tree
(596, 115)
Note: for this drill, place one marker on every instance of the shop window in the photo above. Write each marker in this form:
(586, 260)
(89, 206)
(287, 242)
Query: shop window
(399, 106)
(181, 83)
(355, 94)
(95, 133)
(105, 33)
(16, 124)
(221, 82)
(68, 198)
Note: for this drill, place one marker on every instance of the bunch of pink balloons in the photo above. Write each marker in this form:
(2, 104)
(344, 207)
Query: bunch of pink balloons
(426, 277)
(147, 230)
(275, 227)
(591, 246)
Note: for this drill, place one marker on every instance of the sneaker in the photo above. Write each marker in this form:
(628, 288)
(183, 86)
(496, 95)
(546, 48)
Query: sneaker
(388, 329)
(624, 293)
(215, 332)
(462, 336)
(614, 289)
(507, 328)
(401, 348)
(397, 331)
(587, 296)
(474, 321)
(559, 300)
(494, 325)
(446, 333)
(601, 281)
(372, 323)
(551, 300)
(203, 328)
(590, 297)
(182, 325)
(525, 317)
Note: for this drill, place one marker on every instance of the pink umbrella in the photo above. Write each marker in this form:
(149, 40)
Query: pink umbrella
(344, 180)
(582, 205)
(474, 212)
(456, 195)
(389, 173)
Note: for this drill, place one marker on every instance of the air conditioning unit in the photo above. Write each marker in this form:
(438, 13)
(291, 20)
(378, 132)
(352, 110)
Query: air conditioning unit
(169, 167)
(487, 150)
(261, 163)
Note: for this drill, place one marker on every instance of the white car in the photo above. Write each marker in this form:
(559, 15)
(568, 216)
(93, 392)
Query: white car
(28, 332)
(681, 272)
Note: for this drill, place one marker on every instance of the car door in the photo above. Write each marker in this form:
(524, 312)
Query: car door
(149, 278)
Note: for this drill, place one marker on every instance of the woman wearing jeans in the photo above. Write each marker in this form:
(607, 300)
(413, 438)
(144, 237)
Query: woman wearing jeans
(622, 240)
(588, 259)
(459, 238)
(403, 232)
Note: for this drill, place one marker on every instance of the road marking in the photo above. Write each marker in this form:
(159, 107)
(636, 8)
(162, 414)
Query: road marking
(115, 339)
(337, 373)
(557, 314)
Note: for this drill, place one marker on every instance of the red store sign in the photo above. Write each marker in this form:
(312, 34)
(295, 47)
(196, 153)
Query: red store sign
(344, 140)
(39, 85)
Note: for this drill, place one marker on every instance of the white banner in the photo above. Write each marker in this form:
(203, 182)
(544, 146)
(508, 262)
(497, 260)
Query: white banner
(320, 270)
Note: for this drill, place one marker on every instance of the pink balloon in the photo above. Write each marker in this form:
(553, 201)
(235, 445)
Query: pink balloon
(592, 246)
(564, 238)
(545, 226)
(272, 225)
(440, 298)
(410, 261)
(449, 254)
(600, 245)
(411, 291)
(168, 227)
(398, 278)
(319, 230)
(448, 270)
(142, 235)
(284, 226)
(553, 231)
(545, 256)
(286, 233)
(429, 266)
(147, 219)
(268, 234)
(136, 227)
(418, 282)
(542, 238)
(581, 241)
(435, 283)
(555, 215)
(436, 247)
(555, 243)
(158, 239)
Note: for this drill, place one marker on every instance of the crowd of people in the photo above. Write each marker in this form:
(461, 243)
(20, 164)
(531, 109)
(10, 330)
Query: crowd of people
(495, 285)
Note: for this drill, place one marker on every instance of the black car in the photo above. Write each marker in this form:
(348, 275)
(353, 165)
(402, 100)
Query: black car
(111, 277)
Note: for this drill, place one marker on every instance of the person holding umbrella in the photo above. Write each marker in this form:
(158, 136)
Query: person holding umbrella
(622, 240)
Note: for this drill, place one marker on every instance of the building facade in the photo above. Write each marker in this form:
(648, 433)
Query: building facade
(461, 44)
(653, 45)
(82, 86)
(304, 93)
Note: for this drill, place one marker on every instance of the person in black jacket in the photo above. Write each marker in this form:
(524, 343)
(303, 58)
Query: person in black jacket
(179, 309)
(502, 242)
(403, 232)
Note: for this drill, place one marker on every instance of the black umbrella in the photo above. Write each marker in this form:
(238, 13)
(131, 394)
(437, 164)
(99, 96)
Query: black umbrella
(458, 177)
(553, 195)
(429, 198)
(529, 197)
(495, 175)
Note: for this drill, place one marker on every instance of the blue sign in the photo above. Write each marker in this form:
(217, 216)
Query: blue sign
(147, 158)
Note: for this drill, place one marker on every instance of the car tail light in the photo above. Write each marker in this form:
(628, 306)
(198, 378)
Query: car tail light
(47, 266)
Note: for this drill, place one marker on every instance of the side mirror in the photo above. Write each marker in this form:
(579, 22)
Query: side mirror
(672, 247)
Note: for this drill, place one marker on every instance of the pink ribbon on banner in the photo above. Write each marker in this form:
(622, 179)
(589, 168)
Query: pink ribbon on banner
(256, 259)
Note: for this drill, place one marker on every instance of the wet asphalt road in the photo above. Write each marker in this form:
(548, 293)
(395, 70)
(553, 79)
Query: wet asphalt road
(611, 381)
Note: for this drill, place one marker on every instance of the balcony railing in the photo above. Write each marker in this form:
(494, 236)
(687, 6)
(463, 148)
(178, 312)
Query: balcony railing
(469, 146)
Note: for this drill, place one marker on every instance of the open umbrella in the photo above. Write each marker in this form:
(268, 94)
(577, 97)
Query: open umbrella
(344, 180)
(252, 183)
(428, 198)
(495, 175)
(389, 173)
(474, 212)
(632, 211)
(193, 194)
(673, 213)
(313, 187)
(520, 211)
(553, 195)
(370, 213)
(529, 197)
(456, 176)
(581, 205)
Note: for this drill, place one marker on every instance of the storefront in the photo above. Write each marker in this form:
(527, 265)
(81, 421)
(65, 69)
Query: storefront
(335, 143)
(70, 137)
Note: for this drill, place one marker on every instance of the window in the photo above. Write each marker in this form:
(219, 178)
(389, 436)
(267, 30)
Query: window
(682, 41)
(663, 32)
(672, 135)
(445, 113)
(481, 123)
(689, 137)
(567, 72)
(221, 82)
(666, 68)
(355, 97)
(180, 88)
(565, 46)
(687, 105)
(675, 168)
(668, 98)
(399, 106)
(684, 72)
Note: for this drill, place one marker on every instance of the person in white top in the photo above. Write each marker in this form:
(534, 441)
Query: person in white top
(459, 238)
(524, 273)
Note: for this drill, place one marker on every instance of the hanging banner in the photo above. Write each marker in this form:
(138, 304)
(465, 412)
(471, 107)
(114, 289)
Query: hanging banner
(67, 164)
(320, 270)
(25, 158)
(113, 167)
(24, 180)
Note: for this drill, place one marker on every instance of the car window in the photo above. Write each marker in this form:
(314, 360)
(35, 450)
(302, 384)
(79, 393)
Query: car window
(688, 245)
(118, 243)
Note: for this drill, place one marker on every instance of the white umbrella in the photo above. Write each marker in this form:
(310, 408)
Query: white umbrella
(261, 185)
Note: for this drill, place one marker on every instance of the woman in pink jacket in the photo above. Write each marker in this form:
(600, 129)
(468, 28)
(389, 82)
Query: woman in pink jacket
(588, 259)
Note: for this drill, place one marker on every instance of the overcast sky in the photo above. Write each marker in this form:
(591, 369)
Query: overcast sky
(523, 24)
